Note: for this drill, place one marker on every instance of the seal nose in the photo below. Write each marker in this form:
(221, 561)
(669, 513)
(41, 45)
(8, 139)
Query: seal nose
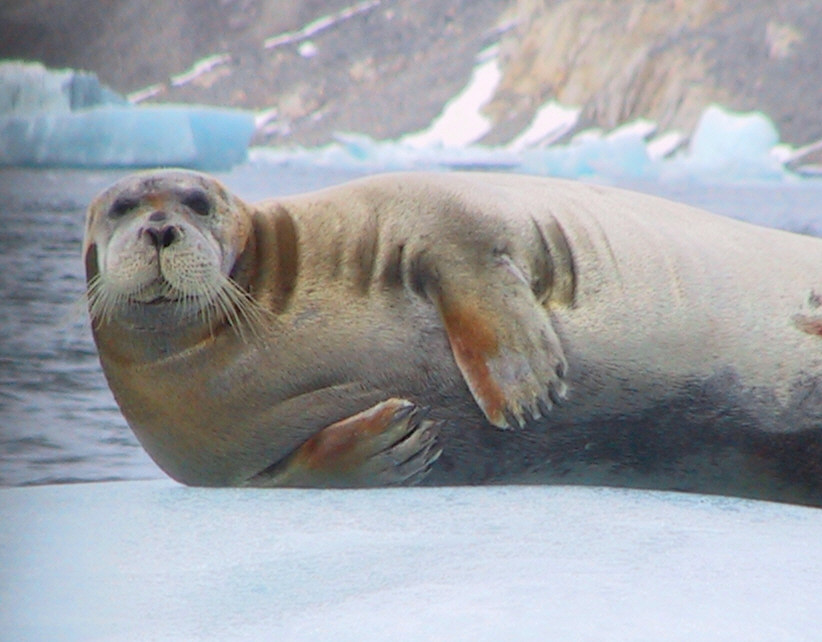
(163, 236)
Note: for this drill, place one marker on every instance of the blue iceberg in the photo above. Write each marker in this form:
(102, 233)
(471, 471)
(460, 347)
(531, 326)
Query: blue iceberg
(731, 144)
(206, 138)
(27, 88)
(68, 118)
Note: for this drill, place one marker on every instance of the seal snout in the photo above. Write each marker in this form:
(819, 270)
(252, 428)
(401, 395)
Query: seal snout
(163, 236)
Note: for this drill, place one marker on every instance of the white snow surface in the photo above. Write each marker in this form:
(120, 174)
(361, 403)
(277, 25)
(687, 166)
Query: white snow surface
(199, 68)
(320, 24)
(550, 122)
(158, 561)
(462, 121)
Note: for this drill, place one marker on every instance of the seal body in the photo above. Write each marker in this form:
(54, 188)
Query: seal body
(458, 329)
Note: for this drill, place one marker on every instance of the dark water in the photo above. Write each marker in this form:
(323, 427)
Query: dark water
(58, 420)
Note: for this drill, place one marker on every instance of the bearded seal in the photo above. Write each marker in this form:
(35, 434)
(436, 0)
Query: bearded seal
(458, 328)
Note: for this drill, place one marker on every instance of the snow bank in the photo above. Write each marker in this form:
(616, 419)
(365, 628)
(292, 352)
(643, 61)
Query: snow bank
(153, 560)
(550, 123)
(461, 121)
(320, 24)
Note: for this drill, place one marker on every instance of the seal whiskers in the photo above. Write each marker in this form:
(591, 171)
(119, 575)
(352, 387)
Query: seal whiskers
(228, 300)
(214, 300)
(103, 300)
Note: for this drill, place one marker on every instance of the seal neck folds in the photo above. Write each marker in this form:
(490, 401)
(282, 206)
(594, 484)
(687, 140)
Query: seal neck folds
(275, 251)
(555, 275)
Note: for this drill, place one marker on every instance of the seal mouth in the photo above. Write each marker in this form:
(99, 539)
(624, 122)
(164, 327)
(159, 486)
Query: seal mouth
(160, 301)
(168, 297)
(163, 299)
(157, 292)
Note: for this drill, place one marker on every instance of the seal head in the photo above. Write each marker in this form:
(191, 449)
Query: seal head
(164, 247)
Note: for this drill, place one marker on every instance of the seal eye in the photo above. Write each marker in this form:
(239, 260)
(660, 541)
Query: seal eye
(197, 202)
(122, 206)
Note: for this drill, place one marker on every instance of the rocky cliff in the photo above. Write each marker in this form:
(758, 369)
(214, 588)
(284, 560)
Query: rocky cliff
(665, 60)
(386, 67)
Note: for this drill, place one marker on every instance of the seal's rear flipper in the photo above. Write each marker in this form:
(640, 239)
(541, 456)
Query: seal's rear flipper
(388, 445)
(504, 344)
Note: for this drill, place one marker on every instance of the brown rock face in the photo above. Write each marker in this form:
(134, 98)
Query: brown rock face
(390, 66)
(665, 60)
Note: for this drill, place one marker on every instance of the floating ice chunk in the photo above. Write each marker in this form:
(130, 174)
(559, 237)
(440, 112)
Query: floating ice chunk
(732, 145)
(67, 118)
(621, 153)
(361, 153)
(726, 147)
(550, 123)
(187, 136)
(461, 122)
(28, 88)
(359, 150)
(722, 136)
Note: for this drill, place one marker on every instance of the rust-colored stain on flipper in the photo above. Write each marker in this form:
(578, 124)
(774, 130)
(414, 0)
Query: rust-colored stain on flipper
(335, 448)
(808, 324)
(474, 343)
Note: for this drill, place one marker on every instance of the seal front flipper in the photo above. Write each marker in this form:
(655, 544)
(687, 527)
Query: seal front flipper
(389, 444)
(503, 342)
